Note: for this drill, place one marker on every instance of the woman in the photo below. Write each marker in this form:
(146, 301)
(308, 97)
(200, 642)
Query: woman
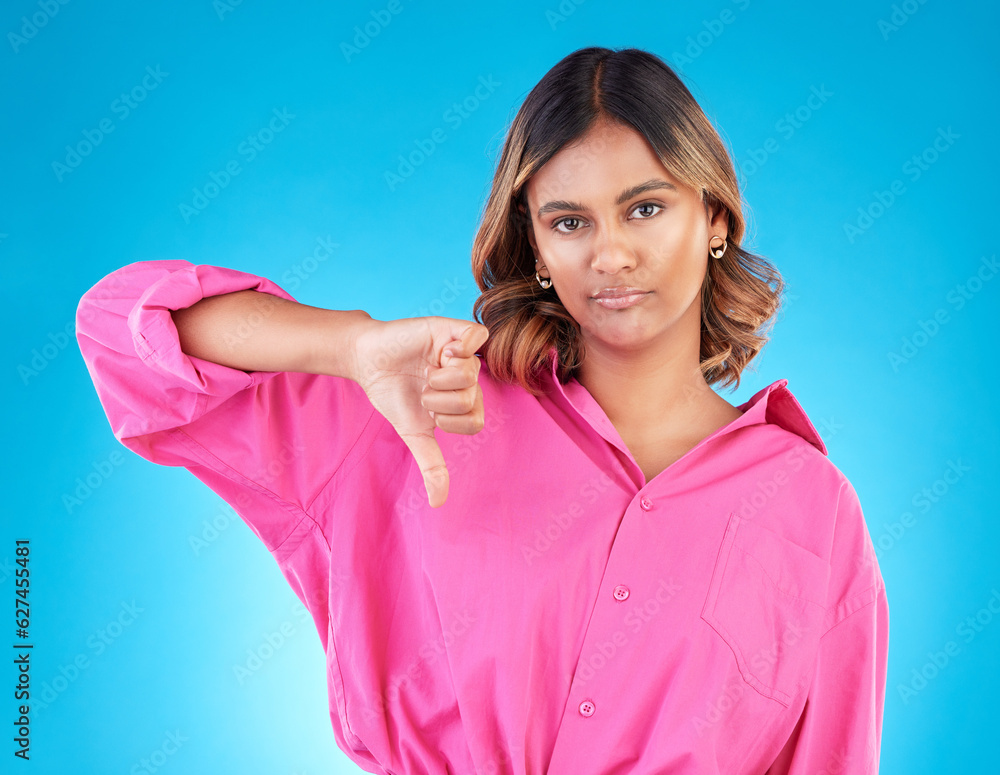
(543, 544)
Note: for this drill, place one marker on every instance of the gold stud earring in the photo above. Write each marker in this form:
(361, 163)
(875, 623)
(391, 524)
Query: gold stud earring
(717, 250)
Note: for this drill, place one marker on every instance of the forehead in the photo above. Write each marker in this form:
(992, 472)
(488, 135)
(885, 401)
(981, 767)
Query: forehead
(598, 165)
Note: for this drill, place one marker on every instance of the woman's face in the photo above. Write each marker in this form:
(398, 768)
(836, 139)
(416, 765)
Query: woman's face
(592, 229)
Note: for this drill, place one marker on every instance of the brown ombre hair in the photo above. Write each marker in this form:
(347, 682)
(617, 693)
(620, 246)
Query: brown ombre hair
(741, 292)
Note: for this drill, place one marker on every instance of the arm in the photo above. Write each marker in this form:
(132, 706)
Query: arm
(840, 728)
(256, 331)
(266, 441)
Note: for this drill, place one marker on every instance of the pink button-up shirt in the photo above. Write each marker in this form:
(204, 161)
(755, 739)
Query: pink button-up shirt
(559, 614)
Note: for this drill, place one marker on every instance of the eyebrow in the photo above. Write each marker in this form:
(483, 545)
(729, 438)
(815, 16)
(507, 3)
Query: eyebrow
(624, 196)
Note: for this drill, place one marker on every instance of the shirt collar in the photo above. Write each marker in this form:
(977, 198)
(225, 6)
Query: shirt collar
(773, 405)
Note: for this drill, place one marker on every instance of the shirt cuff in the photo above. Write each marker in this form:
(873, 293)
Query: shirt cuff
(155, 336)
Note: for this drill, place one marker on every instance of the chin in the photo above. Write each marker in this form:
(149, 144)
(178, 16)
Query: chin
(611, 337)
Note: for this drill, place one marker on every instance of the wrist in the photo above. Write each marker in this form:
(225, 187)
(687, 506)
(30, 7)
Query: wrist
(337, 354)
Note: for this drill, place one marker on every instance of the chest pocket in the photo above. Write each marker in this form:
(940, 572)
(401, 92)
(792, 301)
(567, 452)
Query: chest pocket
(767, 600)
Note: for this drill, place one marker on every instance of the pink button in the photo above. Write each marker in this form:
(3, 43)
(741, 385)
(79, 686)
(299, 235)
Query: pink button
(621, 592)
(587, 708)
(645, 503)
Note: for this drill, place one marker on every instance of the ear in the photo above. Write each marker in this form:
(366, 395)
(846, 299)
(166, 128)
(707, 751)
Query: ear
(530, 229)
(718, 218)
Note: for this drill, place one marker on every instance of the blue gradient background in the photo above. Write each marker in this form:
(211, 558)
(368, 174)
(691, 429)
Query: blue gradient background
(853, 300)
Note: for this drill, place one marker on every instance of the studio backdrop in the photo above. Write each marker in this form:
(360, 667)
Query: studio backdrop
(344, 151)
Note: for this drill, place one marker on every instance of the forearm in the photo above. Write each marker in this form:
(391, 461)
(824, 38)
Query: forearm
(256, 331)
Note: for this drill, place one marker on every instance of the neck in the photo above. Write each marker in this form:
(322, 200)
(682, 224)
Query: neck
(649, 388)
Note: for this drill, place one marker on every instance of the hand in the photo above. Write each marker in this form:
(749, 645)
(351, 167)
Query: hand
(411, 381)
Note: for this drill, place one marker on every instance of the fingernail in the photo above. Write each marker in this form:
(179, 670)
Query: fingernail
(449, 353)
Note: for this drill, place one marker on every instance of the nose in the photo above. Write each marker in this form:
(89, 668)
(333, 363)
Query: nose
(612, 251)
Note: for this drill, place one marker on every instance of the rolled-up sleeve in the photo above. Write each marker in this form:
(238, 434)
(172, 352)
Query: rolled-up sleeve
(267, 442)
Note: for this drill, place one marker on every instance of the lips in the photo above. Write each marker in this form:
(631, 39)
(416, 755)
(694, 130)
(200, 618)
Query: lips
(620, 298)
(617, 292)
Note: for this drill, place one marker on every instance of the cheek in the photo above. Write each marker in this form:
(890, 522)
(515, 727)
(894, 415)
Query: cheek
(566, 261)
(676, 258)
(682, 281)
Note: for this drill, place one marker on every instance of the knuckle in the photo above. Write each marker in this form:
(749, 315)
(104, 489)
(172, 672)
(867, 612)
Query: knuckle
(449, 424)
(437, 469)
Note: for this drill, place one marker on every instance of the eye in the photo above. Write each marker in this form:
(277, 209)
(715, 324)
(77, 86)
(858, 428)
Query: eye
(555, 226)
(576, 221)
(645, 205)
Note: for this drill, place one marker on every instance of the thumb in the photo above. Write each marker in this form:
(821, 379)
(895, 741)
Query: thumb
(467, 338)
(430, 461)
